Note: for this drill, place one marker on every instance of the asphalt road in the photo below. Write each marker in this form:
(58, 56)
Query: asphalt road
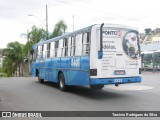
(27, 94)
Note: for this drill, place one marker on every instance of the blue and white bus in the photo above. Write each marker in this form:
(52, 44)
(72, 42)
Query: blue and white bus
(97, 55)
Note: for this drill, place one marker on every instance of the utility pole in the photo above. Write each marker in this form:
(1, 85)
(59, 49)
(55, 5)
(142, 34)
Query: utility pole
(29, 62)
(46, 19)
(73, 22)
(46, 22)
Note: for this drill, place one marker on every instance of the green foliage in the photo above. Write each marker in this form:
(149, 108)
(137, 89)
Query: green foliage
(36, 35)
(8, 67)
(27, 47)
(59, 29)
(1, 72)
(14, 57)
(16, 52)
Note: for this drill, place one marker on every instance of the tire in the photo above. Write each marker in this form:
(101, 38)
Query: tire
(62, 85)
(40, 80)
(96, 87)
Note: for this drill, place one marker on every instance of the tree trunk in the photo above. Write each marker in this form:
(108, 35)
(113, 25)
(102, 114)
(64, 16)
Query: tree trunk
(16, 69)
(19, 68)
(22, 69)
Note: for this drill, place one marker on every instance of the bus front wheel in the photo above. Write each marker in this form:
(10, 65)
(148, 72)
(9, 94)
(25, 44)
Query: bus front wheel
(96, 87)
(62, 85)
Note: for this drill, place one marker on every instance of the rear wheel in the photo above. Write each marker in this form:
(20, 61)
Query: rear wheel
(62, 85)
(96, 87)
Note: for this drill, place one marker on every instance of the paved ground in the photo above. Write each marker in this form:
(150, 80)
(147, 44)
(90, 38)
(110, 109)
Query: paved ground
(27, 94)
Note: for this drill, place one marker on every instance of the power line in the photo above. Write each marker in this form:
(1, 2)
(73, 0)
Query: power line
(100, 11)
(97, 10)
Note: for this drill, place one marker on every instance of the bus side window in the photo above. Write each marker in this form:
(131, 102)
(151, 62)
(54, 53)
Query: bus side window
(69, 46)
(48, 50)
(52, 50)
(39, 51)
(65, 47)
(44, 55)
(60, 48)
(35, 54)
(73, 46)
(86, 38)
(56, 47)
(78, 44)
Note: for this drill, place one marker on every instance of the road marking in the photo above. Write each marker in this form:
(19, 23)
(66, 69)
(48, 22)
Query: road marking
(129, 87)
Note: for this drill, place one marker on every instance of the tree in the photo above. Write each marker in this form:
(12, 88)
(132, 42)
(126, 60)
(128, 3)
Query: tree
(36, 34)
(14, 58)
(27, 47)
(8, 67)
(16, 52)
(59, 29)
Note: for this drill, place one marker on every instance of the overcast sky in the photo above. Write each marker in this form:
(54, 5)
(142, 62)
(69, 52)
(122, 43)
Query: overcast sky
(14, 20)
